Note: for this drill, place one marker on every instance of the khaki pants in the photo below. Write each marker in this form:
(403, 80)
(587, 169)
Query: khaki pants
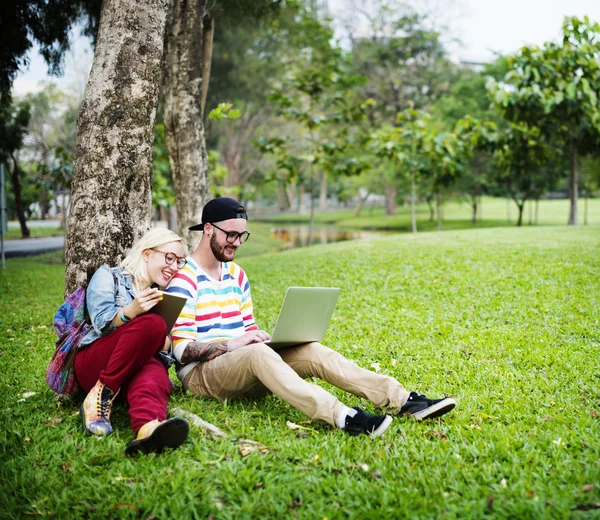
(257, 369)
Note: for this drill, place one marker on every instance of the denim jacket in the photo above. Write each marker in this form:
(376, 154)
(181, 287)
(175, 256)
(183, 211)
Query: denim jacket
(109, 289)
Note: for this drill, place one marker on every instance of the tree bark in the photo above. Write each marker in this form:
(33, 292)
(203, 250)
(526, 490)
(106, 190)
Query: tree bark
(429, 200)
(16, 182)
(360, 203)
(111, 191)
(186, 70)
(413, 202)
(521, 206)
(238, 136)
(573, 186)
(390, 191)
(323, 192)
(474, 204)
(438, 210)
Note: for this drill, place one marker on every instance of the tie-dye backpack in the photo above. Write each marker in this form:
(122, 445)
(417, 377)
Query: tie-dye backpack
(71, 324)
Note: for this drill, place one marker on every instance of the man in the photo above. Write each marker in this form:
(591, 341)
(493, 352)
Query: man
(221, 352)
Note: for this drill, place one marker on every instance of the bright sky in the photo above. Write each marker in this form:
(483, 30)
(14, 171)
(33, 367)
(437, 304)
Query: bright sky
(507, 25)
(483, 26)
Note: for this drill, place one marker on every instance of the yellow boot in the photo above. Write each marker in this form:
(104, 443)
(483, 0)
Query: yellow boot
(155, 436)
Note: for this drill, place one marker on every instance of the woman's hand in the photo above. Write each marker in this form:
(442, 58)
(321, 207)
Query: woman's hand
(254, 336)
(142, 303)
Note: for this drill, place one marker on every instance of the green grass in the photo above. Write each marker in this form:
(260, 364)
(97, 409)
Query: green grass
(494, 212)
(507, 320)
(14, 233)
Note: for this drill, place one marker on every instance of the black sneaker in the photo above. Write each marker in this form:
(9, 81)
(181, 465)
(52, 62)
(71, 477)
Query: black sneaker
(422, 408)
(363, 422)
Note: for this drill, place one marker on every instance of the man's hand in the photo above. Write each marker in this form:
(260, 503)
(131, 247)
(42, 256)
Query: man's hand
(254, 336)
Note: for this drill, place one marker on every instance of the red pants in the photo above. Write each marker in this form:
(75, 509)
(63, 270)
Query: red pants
(125, 359)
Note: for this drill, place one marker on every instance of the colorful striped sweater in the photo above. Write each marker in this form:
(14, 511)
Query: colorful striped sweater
(215, 310)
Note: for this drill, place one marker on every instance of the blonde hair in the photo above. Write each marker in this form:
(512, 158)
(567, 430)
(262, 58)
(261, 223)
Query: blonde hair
(134, 262)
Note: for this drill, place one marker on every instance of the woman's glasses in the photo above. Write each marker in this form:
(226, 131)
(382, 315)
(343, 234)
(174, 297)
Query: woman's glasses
(232, 236)
(171, 258)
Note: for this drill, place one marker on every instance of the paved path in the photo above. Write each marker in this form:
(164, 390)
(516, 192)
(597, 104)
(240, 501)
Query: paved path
(32, 246)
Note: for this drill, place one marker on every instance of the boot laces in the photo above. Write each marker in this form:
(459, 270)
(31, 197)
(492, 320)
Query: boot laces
(103, 405)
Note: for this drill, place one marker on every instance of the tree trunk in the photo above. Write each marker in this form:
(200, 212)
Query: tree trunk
(323, 192)
(438, 210)
(573, 186)
(301, 207)
(413, 201)
(474, 208)
(429, 201)
(186, 71)
(360, 204)
(521, 206)
(312, 206)
(290, 191)
(585, 208)
(391, 191)
(63, 209)
(111, 191)
(16, 182)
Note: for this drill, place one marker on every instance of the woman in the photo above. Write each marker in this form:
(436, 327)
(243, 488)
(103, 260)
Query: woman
(121, 353)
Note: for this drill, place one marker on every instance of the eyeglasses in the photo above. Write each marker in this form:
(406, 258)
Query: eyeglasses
(232, 236)
(171, 258)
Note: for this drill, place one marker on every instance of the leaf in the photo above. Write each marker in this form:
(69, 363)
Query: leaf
(587, 488)
(125, 505)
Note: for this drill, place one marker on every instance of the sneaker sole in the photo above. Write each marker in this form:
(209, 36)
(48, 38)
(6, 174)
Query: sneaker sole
(172, 433)
(382, 428)
(437, 410)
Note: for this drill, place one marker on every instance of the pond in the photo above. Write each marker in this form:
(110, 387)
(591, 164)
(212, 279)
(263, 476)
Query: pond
(297, 236)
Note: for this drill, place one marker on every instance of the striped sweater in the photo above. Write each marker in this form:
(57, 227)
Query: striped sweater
(215, 310)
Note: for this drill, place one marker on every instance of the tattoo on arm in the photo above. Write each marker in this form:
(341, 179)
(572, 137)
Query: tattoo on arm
(197, 351)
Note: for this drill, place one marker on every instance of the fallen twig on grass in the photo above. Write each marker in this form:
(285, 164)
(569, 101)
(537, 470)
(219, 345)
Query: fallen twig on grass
(245, 446)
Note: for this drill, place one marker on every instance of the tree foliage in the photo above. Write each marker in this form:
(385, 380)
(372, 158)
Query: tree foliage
(557, 88)
(25, 22)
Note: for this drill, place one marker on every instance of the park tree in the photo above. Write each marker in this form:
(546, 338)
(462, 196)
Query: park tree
(466, 110)
(25, 22)
(403, 57)
(186, 72)
(188, 51)
(590, 173)
(111, 189)
(527, 165)
(14, 120)
(404, 146)
(316, 95)
(557, 88)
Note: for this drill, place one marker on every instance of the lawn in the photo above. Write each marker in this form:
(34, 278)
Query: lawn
(14, 233)
(505, 319)
(493, 212)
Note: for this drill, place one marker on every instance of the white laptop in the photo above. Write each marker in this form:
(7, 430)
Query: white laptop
(304, 316)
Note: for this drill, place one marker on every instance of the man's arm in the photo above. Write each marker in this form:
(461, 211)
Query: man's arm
(205, 351)
(200, 351)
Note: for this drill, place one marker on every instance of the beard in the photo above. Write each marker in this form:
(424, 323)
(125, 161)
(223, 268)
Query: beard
(219, 251)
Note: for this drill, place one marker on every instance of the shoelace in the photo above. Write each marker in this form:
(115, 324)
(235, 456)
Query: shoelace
(102, 406)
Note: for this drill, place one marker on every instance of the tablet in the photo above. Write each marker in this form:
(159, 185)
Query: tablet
(169, 308)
